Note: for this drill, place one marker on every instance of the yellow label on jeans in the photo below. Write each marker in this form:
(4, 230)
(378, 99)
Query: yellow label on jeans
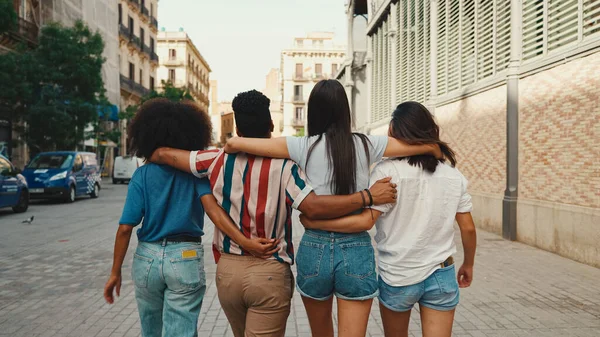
(188, 254)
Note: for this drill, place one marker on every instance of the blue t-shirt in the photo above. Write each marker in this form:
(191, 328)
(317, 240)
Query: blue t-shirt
(167, 200)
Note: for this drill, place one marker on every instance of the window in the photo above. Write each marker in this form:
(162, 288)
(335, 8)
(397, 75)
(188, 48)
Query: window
(143, 4)
(300, 43)
(298, 91)
(151, 83)
(172, 54)
(131, 24)
(142, 36)
(4, 165)
(141, 76)
(334, 69)
(120, 14)
(152, 45)
(152, 10)
(319, 70)
(299, 70)
(78, 164)
(131, 71)
(298, 114)
(172, 75)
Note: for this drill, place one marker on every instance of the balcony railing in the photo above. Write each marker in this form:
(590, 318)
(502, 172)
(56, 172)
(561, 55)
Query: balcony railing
(27, 30)
(131, 86)
(298, 99)
(154, 22)
(173, 62)
(145, 12)
(300, 77)
(298, 122)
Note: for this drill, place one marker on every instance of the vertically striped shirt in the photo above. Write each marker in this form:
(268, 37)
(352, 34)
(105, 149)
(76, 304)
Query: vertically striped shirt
(258, 194)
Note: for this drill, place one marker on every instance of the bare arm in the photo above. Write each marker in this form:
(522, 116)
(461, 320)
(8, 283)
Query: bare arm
(179, 159)
(332, 206)
(469, 241)
(396, 148)
(259, 247)
(121, 244)
(264, 147)
(348, 224)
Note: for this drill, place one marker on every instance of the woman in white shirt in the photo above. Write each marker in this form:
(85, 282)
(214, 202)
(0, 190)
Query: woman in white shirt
(415, 236)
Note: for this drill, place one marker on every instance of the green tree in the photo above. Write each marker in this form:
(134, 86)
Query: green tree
(55, 89)
(8, 16)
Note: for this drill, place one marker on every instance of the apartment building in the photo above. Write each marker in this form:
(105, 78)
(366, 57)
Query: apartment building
(309, 60)
(183, 65)
(138, 60)
(514, 86)
(99, 15)
(273, 91)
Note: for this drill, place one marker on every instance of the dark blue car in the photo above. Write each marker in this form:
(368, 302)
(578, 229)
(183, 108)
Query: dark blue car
(63, 175)
(13, 187)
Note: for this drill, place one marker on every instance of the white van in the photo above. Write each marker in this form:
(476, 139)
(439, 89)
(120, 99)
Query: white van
(124, 168)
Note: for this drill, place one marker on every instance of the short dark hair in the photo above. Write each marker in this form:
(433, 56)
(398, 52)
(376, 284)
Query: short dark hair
(252, 114)
(160, 122)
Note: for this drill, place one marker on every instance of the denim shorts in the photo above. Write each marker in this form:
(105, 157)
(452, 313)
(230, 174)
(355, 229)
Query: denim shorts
(438, 292)
(335, 263)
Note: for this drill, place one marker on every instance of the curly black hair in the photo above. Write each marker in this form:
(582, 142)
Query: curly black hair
(160, 122)
(252, 114)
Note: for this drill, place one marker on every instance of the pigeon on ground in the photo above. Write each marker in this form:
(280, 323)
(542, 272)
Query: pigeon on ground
(29, 221)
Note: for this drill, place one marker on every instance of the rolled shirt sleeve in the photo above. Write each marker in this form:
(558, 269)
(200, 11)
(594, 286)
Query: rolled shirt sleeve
(296, 187)
(379, 172)
(465, 205)
(200, 162)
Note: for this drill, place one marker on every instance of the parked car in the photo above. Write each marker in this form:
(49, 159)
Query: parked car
(125, 167)
(64, 175)
(13, 187)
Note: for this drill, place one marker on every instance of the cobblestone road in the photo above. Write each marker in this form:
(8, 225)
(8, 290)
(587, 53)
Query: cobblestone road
(52, 273)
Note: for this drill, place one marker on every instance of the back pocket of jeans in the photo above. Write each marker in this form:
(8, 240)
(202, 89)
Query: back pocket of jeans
(189, 272)
(140, 270)
(359, 259)
(308, 260)
(446, 280)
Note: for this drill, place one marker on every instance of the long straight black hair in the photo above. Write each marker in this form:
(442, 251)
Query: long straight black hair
(413, 124)
(329, 117)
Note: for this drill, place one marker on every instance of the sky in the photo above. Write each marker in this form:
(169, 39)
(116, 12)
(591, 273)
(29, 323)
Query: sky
(242, 39)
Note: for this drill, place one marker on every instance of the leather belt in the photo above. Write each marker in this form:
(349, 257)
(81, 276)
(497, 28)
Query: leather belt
(449, 261)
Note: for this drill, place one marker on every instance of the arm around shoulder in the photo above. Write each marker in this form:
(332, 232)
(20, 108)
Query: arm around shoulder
(263, 147)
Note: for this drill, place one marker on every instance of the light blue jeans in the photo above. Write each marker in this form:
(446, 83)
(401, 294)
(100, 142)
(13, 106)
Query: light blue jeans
(170, 284)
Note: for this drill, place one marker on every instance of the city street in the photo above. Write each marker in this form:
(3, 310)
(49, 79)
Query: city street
(52, 273)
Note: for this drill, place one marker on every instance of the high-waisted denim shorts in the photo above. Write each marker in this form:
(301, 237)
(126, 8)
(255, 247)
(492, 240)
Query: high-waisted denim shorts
(335, 263)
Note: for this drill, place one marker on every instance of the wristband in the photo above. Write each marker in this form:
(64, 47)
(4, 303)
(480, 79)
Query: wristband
(370, 197)
(363, 198)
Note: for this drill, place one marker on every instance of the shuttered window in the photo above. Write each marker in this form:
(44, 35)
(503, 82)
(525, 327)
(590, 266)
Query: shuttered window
(485, 38)
(502, 35)
(413, 52)
(556, 25)
(453, 15)
(469, 54)
(442, 61)
(591, 17)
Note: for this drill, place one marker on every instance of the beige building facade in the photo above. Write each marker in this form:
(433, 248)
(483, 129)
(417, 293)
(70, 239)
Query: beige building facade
(273, 91)
(516, 98)
(310, 59)
(184, 66)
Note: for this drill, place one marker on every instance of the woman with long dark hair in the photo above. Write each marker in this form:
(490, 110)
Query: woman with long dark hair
(336, 161)
(415, 236)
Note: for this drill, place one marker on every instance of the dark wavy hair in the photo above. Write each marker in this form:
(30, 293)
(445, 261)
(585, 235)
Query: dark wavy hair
(413, 124)
(252, 114)
(160, 122)
(329, 117)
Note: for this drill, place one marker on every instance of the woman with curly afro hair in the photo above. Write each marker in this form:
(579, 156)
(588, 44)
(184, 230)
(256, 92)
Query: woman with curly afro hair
(168, 265)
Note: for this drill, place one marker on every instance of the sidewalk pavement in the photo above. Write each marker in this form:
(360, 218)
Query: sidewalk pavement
(52, 273)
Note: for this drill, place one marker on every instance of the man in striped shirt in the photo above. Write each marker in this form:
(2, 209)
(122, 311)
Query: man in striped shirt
(259, 195)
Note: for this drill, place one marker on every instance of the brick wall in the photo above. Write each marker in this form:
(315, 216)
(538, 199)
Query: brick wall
(559, 134)
(475, 127)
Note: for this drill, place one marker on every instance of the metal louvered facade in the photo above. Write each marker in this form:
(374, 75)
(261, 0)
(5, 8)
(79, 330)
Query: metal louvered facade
(473, 45)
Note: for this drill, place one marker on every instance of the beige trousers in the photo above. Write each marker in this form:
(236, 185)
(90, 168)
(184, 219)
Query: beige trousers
(255, 294)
